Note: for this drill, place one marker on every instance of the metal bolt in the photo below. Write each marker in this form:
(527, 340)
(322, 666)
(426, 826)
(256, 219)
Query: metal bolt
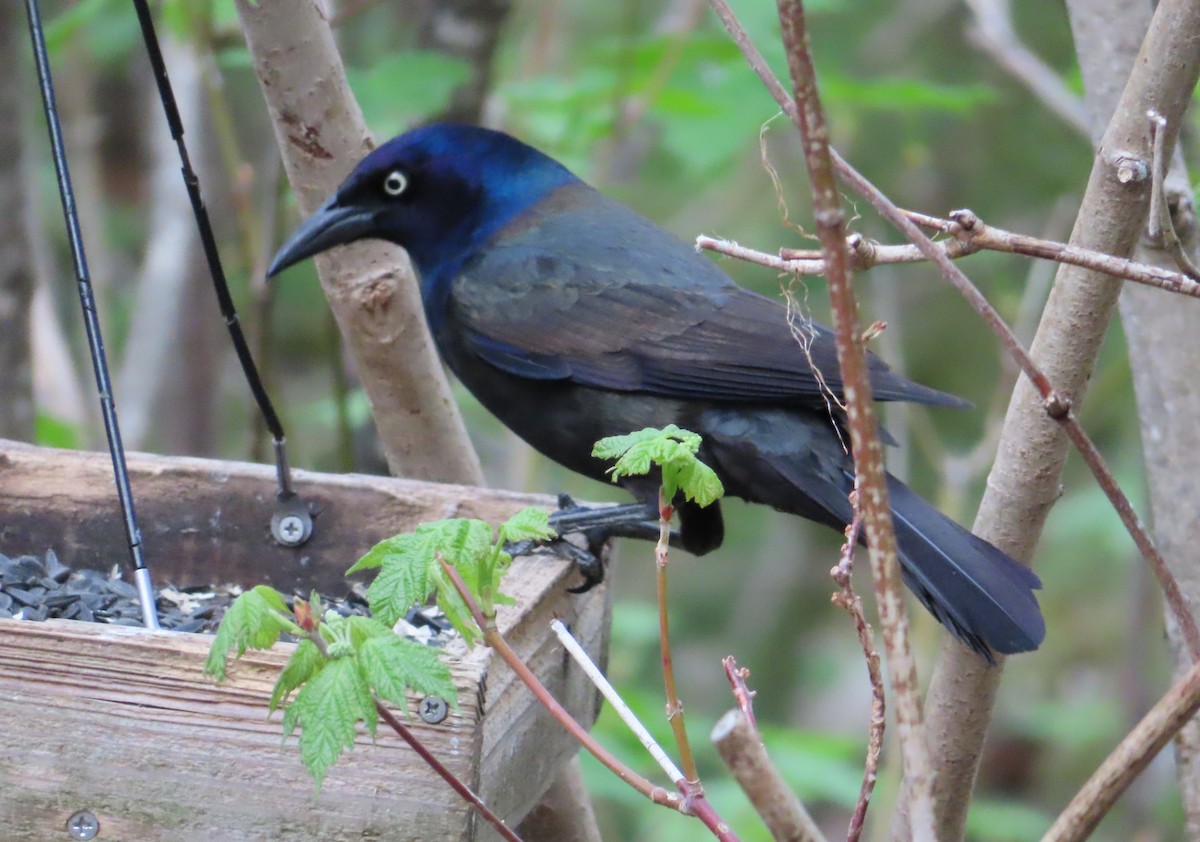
(434, 709)
(83, 825)
(291, 528)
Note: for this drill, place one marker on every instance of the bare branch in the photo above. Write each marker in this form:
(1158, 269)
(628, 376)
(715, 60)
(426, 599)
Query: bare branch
(860, 415)
(742, 694)
(969, 235)
(851, 603)
(1161, 227)
(1024, 482)
(675, 714)
(742, 749)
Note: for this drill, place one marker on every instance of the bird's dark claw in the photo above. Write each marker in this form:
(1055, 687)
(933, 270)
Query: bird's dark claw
(597, 524)
(587, 561)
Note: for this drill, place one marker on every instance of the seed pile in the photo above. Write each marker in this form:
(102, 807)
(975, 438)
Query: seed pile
(33, 588)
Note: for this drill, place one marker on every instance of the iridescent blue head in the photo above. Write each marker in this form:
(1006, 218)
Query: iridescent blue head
(439, 191)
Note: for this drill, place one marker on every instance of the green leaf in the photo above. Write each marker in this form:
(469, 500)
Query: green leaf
(393, 665)
(328, 709)
(673, 450)
(363, 629)
(410, 570)
(305, 662)
(531, 524)
(253, 621)
(404, 579)
(457, 613)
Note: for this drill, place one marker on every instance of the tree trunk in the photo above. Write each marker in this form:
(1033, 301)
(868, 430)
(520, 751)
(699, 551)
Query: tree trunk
(1160, 330)
(370, 286)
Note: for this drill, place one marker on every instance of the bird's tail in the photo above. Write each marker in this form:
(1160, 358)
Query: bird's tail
(972, 588)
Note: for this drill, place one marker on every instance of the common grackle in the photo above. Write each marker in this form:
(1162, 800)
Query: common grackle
(572, 318)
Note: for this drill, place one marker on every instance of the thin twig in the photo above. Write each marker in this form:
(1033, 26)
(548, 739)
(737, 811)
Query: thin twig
(742, 694)
(462, 789)
(970, 236)
(864, 435)
(674, 705)
(742, 749)
(1161, 227)
(1128, 759)
(693, 801)
(618, 704)
(851, 603)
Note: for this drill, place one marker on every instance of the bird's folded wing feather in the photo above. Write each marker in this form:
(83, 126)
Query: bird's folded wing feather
(640, 311)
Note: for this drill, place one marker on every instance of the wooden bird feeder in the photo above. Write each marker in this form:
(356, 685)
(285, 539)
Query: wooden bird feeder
(122, 723)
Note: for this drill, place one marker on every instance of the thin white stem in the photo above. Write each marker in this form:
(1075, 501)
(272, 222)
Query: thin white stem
(593, 672)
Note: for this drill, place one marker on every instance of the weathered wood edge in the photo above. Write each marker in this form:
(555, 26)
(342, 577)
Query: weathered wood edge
(204, 510)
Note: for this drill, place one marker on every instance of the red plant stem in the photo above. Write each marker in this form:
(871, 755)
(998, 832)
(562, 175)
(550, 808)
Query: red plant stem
(495, 640)
(458, 786)
(742, 694)
(674, 705)
(692, 801)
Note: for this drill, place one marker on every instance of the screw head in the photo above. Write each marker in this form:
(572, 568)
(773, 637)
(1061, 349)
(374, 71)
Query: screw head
(291, 527)
(83, 825)
(434, 709)
(291, 530)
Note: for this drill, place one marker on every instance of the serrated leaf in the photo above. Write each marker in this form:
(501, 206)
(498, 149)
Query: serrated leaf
(305, 662)
(363, 629)
(404, 579)
(674, 451)
(698, 482)
(374, 557)
(393, 665)
(531, 524)
(251, 622)
(457, 613)
(327, 710)
(614, 447)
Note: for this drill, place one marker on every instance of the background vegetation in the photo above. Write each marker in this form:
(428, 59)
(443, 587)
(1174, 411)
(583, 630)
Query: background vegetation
(648, 100)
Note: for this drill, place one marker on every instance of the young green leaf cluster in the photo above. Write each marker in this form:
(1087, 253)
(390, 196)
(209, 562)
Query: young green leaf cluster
(673, 451)
(344, 664)
(340, 667)
(410, 569)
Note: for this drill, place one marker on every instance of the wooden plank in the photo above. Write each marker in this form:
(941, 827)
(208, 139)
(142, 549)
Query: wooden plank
(122, 722)
(206, 521)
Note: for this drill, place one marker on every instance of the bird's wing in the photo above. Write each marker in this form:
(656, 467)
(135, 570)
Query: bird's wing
(639, 311)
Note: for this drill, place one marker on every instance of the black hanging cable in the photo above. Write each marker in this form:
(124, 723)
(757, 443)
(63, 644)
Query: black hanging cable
(291, 524)
(92, 325)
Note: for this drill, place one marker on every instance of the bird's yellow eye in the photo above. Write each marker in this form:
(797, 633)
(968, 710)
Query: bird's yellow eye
(395, 183)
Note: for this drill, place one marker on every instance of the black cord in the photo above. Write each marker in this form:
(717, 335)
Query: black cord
(91, 323)
(211, 255)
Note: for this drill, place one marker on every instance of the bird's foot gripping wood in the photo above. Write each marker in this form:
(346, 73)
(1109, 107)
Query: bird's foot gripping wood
(596, 524)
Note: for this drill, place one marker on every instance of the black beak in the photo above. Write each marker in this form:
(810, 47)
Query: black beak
(330, 225)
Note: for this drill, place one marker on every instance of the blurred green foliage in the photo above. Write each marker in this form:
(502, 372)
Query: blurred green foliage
(650, 101)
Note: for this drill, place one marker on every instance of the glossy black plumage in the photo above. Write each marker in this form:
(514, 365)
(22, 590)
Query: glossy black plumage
(572, 318)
